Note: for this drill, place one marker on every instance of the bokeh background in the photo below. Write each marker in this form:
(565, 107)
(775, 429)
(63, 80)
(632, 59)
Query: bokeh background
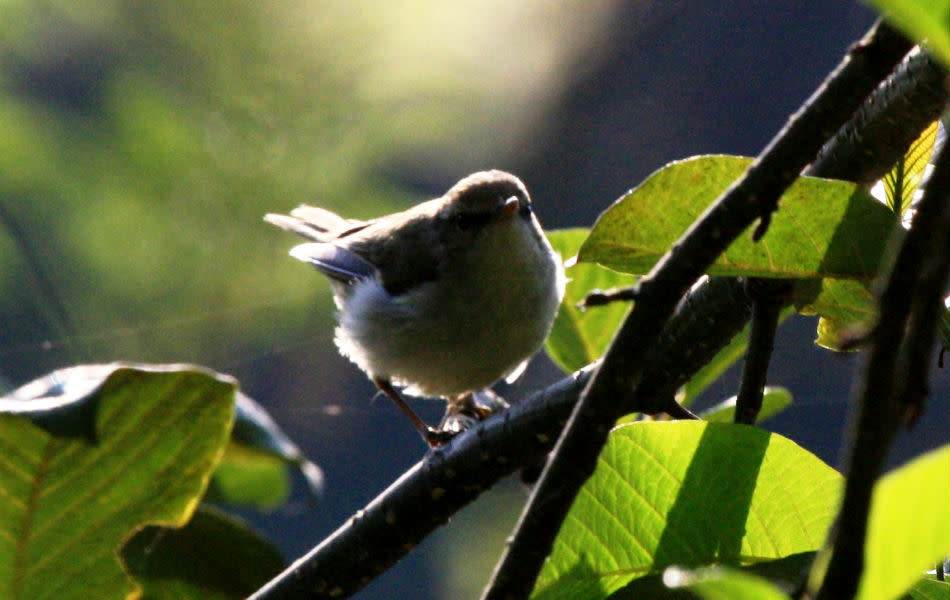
(141, 143)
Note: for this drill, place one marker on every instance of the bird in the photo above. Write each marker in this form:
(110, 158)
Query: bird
(443, 299)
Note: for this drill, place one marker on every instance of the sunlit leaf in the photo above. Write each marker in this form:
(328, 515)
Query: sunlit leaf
(660, 496)
(781, 575)
(845, 306)
(930, 589)
(925, 21)
(909, 526)
(823, 228)
(903, 180)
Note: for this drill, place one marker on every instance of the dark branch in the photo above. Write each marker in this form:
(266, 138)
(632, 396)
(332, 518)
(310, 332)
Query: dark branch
(424, 497)
(602, 297)
(411, 508)
(913, 96)
(768, 297)
(892, 385)
(754, 196)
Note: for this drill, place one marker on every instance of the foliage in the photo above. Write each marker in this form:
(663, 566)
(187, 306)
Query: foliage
(71, 502)
(121, 449)
(661, 497)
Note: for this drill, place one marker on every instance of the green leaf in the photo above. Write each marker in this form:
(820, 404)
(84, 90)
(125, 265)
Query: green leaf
(251, 477)
(716, 583)
(214, 557)
(783, 574)
(843, 305)
(909, 526)
(925, 21)
(253, 471)
(690, 494)
(578, 337)
(905, 177)
(774, 401)
(69, 504)
(255, 467)
(823, 228)
(930, 589)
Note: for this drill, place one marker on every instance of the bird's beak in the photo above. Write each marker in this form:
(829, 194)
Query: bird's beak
(509, 208)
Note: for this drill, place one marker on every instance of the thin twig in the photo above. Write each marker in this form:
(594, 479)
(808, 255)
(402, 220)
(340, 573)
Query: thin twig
(902, 340)
(754, 196)
(768, 297)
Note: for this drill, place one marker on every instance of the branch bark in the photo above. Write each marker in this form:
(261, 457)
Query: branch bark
(768, 296)
(893, 385)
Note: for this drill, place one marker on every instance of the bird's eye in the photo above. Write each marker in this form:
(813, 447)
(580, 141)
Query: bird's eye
(463, 222)
(466, 221)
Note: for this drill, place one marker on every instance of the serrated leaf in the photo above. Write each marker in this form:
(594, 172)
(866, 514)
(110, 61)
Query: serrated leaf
(926, 21)
(214, 557)
(903, 180)
(661, 496)
(909, 526)
(578, 337)
(774, 401)
(823, 228)
(69, 504)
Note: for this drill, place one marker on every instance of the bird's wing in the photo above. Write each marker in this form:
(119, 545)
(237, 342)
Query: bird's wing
(335, 262)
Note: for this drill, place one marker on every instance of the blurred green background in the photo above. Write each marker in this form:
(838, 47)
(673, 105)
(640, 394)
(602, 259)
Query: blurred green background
(142, 142)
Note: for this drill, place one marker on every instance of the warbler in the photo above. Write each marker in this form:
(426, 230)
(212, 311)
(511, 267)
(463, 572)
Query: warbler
(443, 299)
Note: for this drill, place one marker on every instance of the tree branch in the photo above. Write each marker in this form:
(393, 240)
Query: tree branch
(755, 195)
(893, 384)
(913, 96)
(451, 476)
(768, 296)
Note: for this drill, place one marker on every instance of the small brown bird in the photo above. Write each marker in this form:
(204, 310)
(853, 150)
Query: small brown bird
(443, 299)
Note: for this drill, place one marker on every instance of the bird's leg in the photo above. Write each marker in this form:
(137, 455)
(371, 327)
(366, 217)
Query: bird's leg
(433, 437)
(466, 409)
